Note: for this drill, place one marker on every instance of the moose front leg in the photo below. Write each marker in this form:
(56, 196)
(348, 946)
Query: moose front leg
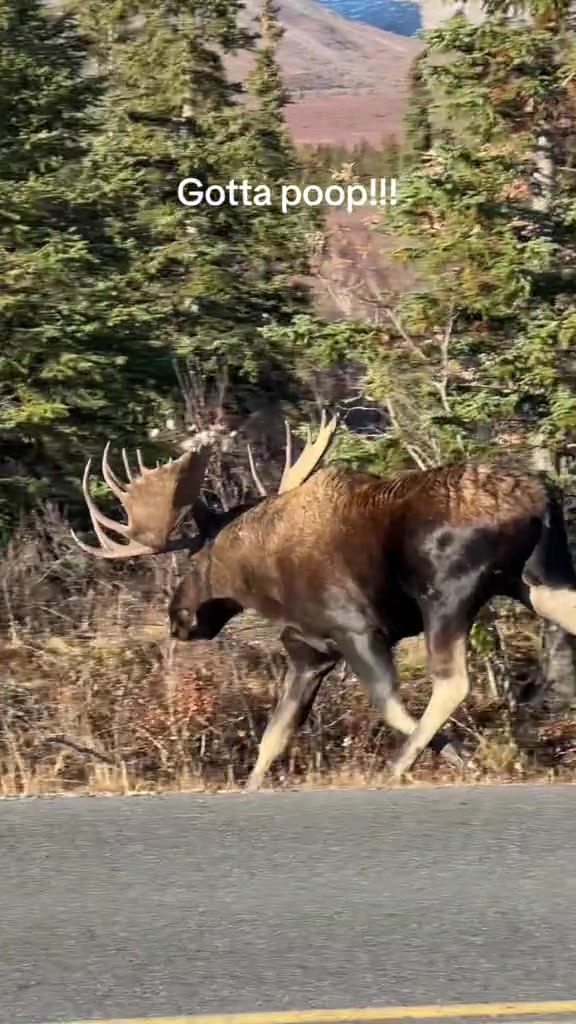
(450, 686)
(306, 670)
(370, 658)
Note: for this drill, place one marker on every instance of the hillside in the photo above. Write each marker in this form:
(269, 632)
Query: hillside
(323, 51)
(407, 17)
(402, 16)
(348, 80)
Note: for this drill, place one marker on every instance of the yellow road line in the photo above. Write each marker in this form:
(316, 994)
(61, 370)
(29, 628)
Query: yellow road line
(366, 1013)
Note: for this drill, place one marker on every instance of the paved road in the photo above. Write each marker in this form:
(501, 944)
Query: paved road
(151, 906)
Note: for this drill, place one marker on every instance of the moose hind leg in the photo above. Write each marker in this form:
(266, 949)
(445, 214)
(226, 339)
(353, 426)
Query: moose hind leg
(307, 669)
(450, 686)
(549, 574)
(371, 660)
(556, 604)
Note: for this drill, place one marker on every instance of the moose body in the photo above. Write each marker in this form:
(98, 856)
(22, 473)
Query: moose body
(349, 564)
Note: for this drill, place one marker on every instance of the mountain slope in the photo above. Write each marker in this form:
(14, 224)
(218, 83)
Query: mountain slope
(401, 16)
(324, 52)
(348, 81)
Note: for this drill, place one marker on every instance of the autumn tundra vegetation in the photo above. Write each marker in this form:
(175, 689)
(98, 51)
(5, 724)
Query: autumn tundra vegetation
(441, 332)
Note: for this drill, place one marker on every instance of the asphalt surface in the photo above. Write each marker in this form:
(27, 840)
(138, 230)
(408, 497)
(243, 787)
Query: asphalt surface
(189, 904)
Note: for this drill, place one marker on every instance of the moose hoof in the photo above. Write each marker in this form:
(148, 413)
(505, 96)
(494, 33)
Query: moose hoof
(399, 776)
(253, 784)
(453, 756)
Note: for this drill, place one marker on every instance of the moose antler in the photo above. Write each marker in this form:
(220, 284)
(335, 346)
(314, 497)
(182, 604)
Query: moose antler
(306, 463)
(155, 502)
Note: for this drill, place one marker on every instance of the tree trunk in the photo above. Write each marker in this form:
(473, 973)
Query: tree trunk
(558, 666)
(558, 649)
(558, 660)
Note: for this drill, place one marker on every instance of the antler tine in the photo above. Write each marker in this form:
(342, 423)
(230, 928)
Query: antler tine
(132, 549)
(99, 518)
(109, 548)
(259, 485)
(310, 456)
(127, 465)
(110, 477)
(288, 458)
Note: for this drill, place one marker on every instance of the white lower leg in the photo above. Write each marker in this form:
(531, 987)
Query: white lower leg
(397, 716)
(449, 690)
(558, 606)
(275, 739)
(371, 660)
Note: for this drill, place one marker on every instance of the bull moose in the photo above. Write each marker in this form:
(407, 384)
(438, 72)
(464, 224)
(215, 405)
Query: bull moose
(348, 564)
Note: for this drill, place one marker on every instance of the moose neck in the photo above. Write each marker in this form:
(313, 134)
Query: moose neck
(210, 522)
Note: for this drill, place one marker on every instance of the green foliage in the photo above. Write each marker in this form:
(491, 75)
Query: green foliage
(316, 346)
(319, 349)
(417, 121)
(107, 277)
(79, 359)
(486, 340)
(221, 270)
(480, 354)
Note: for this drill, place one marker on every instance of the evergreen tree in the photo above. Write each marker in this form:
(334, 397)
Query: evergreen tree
(265, 79)
(222, 270)
(417, 121)
(278, 243)
(492, 321)
(488, 339)
(78, 361)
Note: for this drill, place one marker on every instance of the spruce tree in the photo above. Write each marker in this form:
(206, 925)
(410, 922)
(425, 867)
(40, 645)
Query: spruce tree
(491, 317)
(417, 120)
(79, 361)
(221, 271)
(487, 338)
(265, 80)
(278, 244)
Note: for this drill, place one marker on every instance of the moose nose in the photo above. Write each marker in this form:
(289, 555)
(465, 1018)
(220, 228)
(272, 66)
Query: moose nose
(179, 619)
(182, 626)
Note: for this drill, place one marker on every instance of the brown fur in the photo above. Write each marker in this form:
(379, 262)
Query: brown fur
(351, 563)
(330, 531)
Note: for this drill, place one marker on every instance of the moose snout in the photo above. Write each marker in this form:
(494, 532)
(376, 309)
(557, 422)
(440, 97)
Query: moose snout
(182, 624)
(180, 632)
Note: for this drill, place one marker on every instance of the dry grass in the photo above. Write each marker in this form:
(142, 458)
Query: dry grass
(95, 699)
(348, 118)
